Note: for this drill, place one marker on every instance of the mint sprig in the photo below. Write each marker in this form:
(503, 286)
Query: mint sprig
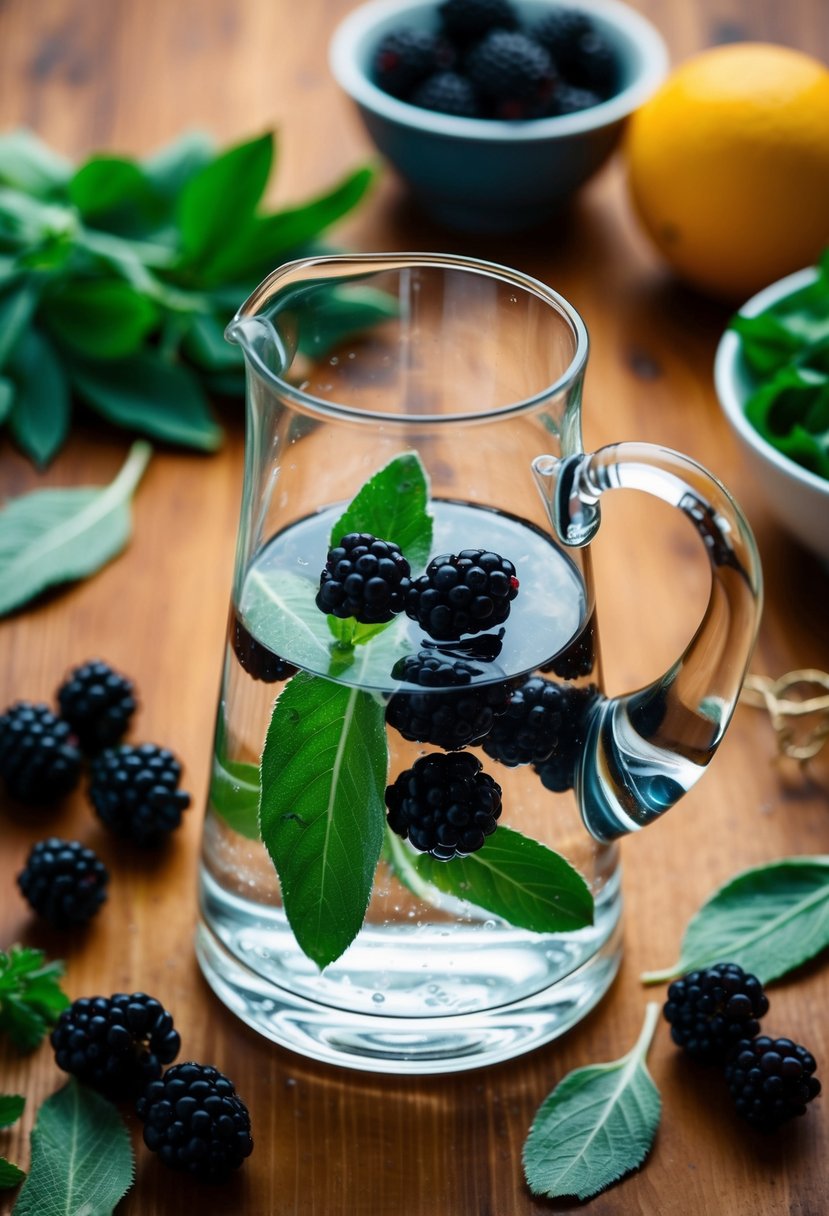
(30, 995)
(118, 276)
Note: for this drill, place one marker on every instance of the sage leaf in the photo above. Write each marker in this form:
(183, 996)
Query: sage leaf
(597, 1125)
(162, 400)
(206, 345)
(6, 398)
(40, 414)
(17, 306)
(174, 164)
(114, 192)
(282, 611)
(82, 1161)
(100, 318)
(234, 795)
(223, 196)
(322, 813)
(393, 504)
(518, 879)
(768, 919)
(57, 535)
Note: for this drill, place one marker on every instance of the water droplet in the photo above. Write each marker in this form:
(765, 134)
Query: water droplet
(489, 924)
(378, 998)
(334, 360)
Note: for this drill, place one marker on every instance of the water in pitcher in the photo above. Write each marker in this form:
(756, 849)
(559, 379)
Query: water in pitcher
(420, 953)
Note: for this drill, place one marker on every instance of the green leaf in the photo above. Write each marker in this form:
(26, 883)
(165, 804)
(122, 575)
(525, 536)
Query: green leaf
(159, 399)
(393, 504)
(11, 1108)
(518, 879)
(10, 1174)
(222, 196)
(56, 535)
(30, 995)
(768, 919)
(255, 244)
(82, 1161)
(99, 318)
(205, 344)
(169, 168)
(28, 164)
(114, 193)
(234, 795)
(322, 812)
(6, 398)
(40, 414)
(17, 307)
(597, 1125)
(282, 610)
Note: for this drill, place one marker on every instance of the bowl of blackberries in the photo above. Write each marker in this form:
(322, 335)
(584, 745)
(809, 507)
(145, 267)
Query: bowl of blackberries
(494, 112)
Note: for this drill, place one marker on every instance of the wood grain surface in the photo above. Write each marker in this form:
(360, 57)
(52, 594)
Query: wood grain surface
(113, 74)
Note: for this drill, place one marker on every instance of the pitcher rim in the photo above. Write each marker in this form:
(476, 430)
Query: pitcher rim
(255, 303)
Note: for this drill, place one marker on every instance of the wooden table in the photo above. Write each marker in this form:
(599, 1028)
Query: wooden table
(117, 75)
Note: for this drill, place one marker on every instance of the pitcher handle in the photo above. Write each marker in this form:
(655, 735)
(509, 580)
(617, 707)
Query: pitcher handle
(646, 749)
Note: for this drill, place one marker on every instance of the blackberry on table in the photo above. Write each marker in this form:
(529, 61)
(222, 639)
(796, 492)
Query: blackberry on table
(711, 1010)
(364, 577)
(115, 1044)
(447, 93)
(406, 56)
(465, 593)
(98, 703)
(448, 711)
(196, 1122)
(445, 805)
(39, 759)
(466, 21)
(254, 658)
(544, 724)
(135, 793)
(63, 881)
(771, 1081)
(513, 74)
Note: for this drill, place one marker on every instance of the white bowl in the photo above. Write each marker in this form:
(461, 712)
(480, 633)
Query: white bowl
(484, 174)
(797, 497)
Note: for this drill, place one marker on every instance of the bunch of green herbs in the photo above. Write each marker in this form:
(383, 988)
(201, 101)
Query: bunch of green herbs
(786, 349)
(118, 276)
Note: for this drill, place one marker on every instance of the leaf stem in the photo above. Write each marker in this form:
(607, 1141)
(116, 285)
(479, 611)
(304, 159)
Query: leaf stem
(643, 1043)
(132, 470)
(659, 977)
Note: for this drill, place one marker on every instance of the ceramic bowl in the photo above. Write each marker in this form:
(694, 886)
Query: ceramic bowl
(798, 498)
(488, 175)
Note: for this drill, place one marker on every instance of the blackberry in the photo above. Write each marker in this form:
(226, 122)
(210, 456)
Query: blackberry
(406, 56)
(558, 31)
(771, 1081)
(591, 65)
(466, 21)
(39, 759)
(115, 1044)
(712, 1010)
(568, 99)
(364, 577)
(579, 658)
(513, 74)
(97, 703)
(448, 93)
(445, 805)
(467, 593)
(135, 793)
(194, 1119)
(544, 725)
(254, 658)
(448, 719)
(63, 881)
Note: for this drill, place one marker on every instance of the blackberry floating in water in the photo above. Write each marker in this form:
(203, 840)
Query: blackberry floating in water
(364, 577)
(448, 710)
(465, 593)
(445, 805)
(254, 658)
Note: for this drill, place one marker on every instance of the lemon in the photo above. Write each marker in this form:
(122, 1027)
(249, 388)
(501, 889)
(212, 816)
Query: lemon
(728, 166)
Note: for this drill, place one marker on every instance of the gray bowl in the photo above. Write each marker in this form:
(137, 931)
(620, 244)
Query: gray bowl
(487, 175)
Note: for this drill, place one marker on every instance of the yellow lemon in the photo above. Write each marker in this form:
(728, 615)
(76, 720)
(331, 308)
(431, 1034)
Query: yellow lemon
(728, 166)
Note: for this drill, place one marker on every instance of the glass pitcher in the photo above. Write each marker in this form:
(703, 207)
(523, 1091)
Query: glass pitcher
(409, 859)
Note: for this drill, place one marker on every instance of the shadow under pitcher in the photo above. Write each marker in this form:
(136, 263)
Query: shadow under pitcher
(409, 859)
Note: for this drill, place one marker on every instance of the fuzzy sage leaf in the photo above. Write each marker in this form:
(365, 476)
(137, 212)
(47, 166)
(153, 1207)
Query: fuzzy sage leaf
(321, 813)
(82, 1160)
(56, 535)
(768, 919)
(596, 1125)
(393, 504)
(518, 879)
